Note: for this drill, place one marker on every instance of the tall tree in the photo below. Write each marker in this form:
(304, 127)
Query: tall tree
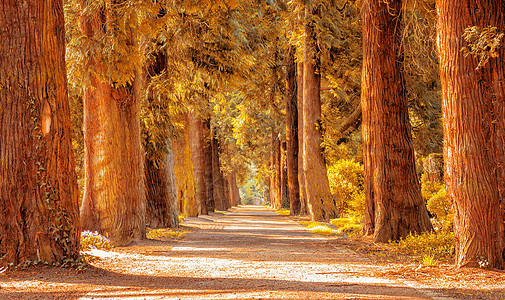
(319, 199)
(184, 170)
(38, 187)
(198, 158)
(292, 133)
(301, 179)
(394, 205)
(474, 126)
(114, 196)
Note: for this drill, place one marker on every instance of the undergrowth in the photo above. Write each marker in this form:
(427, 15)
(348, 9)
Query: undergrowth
(436, 244)
(283, 212)
(163, 233)
(94, 240)
(318, 228)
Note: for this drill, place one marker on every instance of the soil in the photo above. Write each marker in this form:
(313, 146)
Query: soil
(250, 252)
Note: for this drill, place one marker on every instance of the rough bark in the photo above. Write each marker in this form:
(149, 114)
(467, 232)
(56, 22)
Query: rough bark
(319, 199)
(159, 175)
(433, 167)
(473, 107)
(234, 191)
(161, 193)
(301, 179)
(198, 158)
(275, 177)
(209, 178)
(284, 178)
(394, 205)
(217, 178)
(114, 197)
(292, 133)
(37, 177)
(184, 171)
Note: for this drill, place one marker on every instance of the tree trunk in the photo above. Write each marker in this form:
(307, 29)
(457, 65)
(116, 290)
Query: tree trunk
(217, 177)
(394, 205)
(320, 202)
(161, 193)
(234, 191)
(275, 177)
(292, 134)
(184, 171)
(301, 179)
(198, 157)
(473, 107)
(207, 136)
(114, 196)
(284, 178)
(38, 186)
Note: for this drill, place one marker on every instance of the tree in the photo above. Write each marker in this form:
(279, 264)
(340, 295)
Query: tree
(319, 199)
(38, 187)
(394, 205)
(473, 103)
(114, 197)
(198, 155)
(292, 133)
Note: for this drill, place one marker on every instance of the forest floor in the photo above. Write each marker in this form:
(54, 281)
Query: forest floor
(250, 252)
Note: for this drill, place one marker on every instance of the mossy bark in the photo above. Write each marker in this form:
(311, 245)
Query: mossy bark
(38, 188)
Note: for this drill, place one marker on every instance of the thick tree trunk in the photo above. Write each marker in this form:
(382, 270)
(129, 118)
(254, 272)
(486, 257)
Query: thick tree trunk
(301, 179)
(209, 178)
(219, 196)
(114, 196)
(198, 158)
(38, 188)
(161, 193)
(320, 202)
(292, 134)
(473, 107)
(394, 205)
(184, 171)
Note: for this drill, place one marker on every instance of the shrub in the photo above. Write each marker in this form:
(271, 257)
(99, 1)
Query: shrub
(164, 233)
(427, 244)
(350, 225)
(346, 178)
(94, 240)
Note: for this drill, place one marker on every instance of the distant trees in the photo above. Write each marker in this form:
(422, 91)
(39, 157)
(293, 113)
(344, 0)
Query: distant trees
(38, 190)
(474, 126)
(394, 205)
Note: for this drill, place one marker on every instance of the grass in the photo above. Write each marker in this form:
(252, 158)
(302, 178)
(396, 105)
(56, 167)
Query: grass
(283, 212)
(164, 233)
(350, 226)
(318, 228)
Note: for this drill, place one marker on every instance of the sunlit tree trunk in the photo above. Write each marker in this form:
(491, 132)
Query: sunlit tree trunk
(319, 199)
(275, 177)
(473, 106)
(301, 179)
(292, 133)
(38, 188)
(284, 178)
(198, 158)
(394, 205)
(114, 196)
(234, 191)
(184, 171)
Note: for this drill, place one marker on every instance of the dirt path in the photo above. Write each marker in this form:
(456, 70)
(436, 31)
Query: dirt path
(249, 253)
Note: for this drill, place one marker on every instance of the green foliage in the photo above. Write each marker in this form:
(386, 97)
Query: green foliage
(350, 225)
(94, 240)
(346, 178)
(164, 233)
(438, 205)
(429, 243)
(318, 228)
(483, 43)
